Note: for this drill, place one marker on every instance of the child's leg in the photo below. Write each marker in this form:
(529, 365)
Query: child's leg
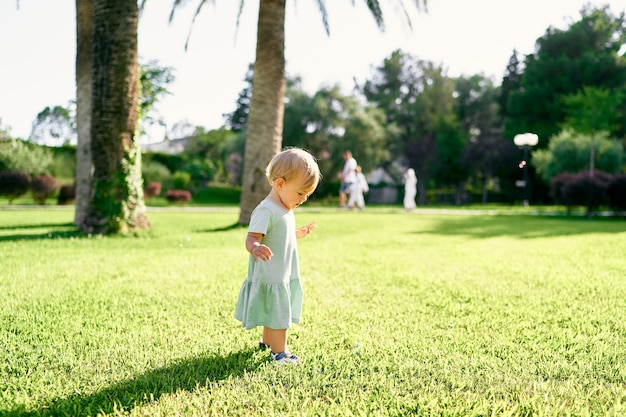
(277, 339)
(360, 201)
(266, 336)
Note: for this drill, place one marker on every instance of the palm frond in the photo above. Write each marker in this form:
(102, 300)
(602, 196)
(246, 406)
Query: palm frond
(418, 6)
(179, 3)
(193, 20)
(238, 17)
(377, 13)
(321, 4)
(175, 5)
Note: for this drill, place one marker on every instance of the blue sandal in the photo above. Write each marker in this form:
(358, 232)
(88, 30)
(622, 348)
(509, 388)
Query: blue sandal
(284, 357)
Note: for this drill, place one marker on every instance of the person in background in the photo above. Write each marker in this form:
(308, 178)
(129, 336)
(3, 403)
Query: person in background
(348, 177)
(358, 188)
(271, 295)
(410, 189)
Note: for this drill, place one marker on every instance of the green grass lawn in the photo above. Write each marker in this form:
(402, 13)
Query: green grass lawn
(405, 314)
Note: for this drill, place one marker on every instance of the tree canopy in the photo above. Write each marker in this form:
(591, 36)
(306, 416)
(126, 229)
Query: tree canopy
(564, 62)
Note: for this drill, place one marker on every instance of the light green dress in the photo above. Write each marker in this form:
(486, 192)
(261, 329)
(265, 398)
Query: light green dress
(272, 293)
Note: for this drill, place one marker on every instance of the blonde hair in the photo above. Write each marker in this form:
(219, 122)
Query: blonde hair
(294, 163)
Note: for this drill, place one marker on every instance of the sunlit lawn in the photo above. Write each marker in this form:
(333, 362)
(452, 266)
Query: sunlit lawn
(405, 314)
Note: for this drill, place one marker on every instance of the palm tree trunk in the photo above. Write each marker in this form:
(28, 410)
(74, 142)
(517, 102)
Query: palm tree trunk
(117, 203)
(265, 122)
(84, 167)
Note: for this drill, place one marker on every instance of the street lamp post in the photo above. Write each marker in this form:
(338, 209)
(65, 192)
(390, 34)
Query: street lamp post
(525, 141)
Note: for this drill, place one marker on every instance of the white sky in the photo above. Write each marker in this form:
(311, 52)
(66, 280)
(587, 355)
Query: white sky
(37, 48)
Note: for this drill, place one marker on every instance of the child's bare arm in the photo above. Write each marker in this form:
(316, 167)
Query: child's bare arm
(306, 230)
(256, 248)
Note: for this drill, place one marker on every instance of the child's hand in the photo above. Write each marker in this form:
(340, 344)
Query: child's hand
(262, 252)
(305, 230)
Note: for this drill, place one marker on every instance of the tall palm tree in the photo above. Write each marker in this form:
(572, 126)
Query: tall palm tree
(265, 121)
(116, 203)
(264, 133)
(84, 167)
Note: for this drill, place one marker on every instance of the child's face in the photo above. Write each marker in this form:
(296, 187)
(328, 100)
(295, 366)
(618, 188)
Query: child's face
(292, 193)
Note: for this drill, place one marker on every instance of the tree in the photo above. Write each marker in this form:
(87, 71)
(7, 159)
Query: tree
(585, 54)
(326, 124)
(154, 80)
(205, 159)
(117, 203)
(488, 156)
(450, 145)
(510, 82)
(417, 97)
(591, 111)
(265, 121)
(53, 127)
(84, 165)
(329, 123)
(238, 119)
(568, 152)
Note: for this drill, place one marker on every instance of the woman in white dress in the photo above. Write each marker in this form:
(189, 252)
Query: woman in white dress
(410, 189)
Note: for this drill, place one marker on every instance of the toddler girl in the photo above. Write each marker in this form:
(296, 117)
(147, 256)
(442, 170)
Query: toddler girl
(271, 295)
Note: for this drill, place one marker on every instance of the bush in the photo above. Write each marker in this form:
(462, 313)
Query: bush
(63, 164)
(616, 192)
(67, 194)
(154, 171)
(22, 156)
(201, 170)
(557, 184)
(584, 190)
(178, 196)
(42, 187)
(13, 184)
(181, 180)
(153, 189)
(171, 162)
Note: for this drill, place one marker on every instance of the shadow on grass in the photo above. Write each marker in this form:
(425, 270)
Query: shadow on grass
(185, 375)
(69, 231)
(37, 226)
(525, 227)
(63, 231)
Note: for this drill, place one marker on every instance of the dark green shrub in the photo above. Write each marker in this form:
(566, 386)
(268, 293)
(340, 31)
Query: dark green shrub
(42, 187)
(201, 170)
(585, 190)
(616, 192)
(557, 184)
(67, 194)
(13, 184)
(171, 162)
